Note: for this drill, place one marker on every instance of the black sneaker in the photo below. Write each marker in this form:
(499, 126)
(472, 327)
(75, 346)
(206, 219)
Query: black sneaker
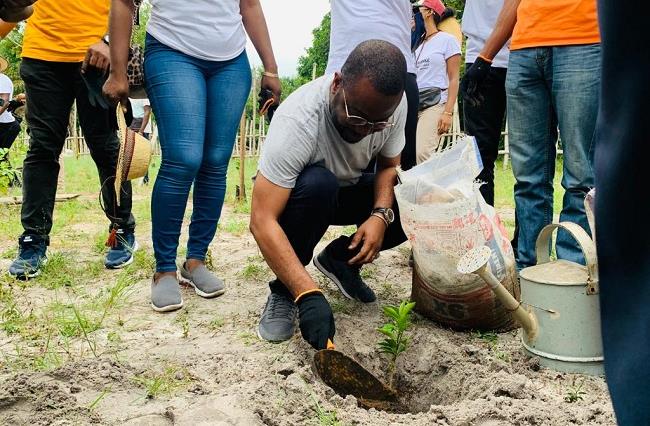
(278, 321)
(31, 257)
(346, 277)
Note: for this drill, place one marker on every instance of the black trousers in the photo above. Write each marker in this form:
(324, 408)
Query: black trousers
(413, 98)
(51, 89)
(8, 134)
(622, 231)
(485, 122)
(317, 201)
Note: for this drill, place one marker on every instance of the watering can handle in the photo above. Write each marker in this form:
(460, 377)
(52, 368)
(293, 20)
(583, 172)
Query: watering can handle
(543, 246)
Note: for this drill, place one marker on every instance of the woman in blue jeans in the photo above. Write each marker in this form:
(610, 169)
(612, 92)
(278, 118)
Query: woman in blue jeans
(198, 79)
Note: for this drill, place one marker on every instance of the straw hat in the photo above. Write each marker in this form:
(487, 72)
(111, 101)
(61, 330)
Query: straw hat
(4, 64)
(134, 155)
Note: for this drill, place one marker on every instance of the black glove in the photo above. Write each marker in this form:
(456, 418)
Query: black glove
(472, 80)
(316, 320)
(265, 102)
(13, 104)
(95, 79)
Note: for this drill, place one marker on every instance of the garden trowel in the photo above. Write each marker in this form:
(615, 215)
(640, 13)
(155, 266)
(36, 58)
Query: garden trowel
(348, 377)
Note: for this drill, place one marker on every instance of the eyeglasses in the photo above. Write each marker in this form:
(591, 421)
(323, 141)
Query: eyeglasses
(357, 121)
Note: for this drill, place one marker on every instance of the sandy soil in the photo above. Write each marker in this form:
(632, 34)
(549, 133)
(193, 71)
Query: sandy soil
(220, 373)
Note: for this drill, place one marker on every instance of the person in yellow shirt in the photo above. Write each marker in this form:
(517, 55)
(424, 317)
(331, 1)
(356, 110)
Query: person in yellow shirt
(63, 41)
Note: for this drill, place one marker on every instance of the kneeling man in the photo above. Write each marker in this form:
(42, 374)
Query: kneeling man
(312, 174)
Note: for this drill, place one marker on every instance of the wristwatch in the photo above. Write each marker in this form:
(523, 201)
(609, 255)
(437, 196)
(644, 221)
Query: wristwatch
(386, 213)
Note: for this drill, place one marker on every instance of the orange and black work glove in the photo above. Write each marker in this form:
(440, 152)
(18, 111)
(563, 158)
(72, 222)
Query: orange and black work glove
(470, 85)
(316, 320)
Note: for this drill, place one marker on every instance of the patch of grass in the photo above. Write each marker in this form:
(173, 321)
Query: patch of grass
(117, 295)
(235, 226)
(248, 338)
(325, 417)
(368, 271)
(254, 271)
(9, 253)
(99, 243)
(166, 382)
(343, 306)
(143, 265)
(58, 272)
(216, 323)
(575, 392)
(492, 339)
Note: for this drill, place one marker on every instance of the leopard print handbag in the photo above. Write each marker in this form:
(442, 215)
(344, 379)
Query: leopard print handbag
(135, 72)
(135, 64)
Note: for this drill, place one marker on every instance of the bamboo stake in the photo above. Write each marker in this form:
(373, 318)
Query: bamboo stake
(241, 195)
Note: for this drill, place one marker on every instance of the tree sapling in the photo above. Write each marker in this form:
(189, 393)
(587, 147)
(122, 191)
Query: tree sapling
(395, 342)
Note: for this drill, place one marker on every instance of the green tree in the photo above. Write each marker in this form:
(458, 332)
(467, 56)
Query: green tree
(318, 52)
(11, 49)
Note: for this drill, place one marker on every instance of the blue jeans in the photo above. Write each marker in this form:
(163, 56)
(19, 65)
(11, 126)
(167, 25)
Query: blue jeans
(547, 88)
(198, 105)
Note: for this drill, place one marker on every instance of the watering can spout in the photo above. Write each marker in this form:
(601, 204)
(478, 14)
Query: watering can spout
(475, 261)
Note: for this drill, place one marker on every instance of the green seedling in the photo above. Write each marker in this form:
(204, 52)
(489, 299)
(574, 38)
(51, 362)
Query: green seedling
(325, 417)
(253, 271)
(97, 400)
(575, 393)
(184, 321)
(167, 382)
(396, 341)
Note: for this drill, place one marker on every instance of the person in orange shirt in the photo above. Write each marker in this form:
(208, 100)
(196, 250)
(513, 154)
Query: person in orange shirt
(62, 42)
(552, 82)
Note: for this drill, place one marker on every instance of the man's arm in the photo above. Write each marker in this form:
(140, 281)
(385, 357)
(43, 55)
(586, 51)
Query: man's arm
(145, 119)
(268, 203)
(371, 232)
(502, 29)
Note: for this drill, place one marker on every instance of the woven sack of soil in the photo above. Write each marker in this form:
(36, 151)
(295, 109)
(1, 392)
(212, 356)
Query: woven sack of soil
(444, 215)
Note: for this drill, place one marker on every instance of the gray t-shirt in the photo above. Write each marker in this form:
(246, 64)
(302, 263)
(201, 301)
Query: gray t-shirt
(302, 133)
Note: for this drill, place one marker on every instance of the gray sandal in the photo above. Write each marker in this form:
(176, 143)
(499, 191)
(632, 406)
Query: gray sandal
(205, 283)
(166, 294)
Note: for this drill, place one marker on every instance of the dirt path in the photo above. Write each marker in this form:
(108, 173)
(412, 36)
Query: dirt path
(205, 364)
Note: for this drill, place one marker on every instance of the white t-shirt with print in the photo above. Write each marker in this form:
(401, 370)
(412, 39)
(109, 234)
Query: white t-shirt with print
(6, 86)
(354, 22)
(302, 133)
(431, 64)
(205, 29)
(479, 19)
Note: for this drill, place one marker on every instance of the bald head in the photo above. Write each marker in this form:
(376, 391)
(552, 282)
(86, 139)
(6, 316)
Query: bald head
(381, 63)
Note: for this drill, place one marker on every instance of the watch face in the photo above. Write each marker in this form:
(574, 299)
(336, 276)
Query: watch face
(390, 215)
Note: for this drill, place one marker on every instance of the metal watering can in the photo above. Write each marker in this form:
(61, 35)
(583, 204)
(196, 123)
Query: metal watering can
(559, 309)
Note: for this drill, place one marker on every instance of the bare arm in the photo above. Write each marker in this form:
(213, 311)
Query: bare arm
(255, 25)
(453, 74)
(6, 27)
(120, 27)
(371, 232)
(269, 201)
(145, 119)
(385, 180)
(502, 29)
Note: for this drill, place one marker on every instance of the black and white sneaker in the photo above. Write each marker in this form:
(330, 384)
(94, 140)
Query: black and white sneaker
(31, 257)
